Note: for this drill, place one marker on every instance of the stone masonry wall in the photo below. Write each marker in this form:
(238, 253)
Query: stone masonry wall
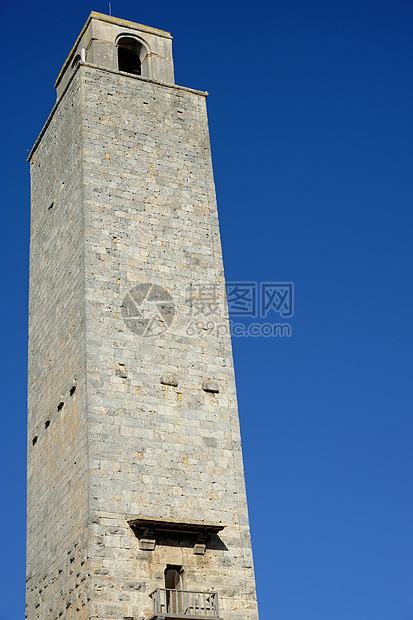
(157, 451)
(126, 163)
(57, 507)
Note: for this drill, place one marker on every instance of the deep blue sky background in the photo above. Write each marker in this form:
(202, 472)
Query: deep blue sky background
(310, 113)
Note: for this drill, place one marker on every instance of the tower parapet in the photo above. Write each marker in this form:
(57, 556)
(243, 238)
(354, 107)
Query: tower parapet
(120, 45)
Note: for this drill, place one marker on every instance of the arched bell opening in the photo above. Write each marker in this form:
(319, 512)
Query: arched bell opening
(133, 56)
(76, 61)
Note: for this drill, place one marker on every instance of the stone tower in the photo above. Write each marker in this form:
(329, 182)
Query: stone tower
(136, 497)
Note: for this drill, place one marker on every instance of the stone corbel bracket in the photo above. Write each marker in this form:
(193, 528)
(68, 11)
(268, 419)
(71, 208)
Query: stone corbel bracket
(210, 386)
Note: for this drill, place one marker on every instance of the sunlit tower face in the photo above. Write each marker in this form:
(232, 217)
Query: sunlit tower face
(136, 497)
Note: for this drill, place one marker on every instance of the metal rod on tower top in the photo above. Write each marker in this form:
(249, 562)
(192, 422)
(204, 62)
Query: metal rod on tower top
(110, 9)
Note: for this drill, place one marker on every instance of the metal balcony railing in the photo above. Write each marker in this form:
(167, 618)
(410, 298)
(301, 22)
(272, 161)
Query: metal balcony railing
(184, 604)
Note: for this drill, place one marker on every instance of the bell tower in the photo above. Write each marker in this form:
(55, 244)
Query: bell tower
(136, 498)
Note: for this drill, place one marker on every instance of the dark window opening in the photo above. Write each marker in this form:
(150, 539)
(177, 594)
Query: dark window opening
(130, 52)
(60, 406)
(129, 61)
(51, 206)
(173, 577)
(76, 60)
(47, 424)
(72, 390)
(35, 440)
(173, 586)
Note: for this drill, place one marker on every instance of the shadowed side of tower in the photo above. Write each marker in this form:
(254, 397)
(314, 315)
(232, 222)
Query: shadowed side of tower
(136, 502)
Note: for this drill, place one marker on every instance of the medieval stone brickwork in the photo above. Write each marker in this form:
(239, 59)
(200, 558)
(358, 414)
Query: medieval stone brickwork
(130, 417)
(57, 505)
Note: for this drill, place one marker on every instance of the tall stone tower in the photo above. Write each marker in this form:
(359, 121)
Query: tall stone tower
(136, 497)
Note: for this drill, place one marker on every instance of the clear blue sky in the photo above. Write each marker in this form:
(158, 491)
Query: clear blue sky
(310, 113)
